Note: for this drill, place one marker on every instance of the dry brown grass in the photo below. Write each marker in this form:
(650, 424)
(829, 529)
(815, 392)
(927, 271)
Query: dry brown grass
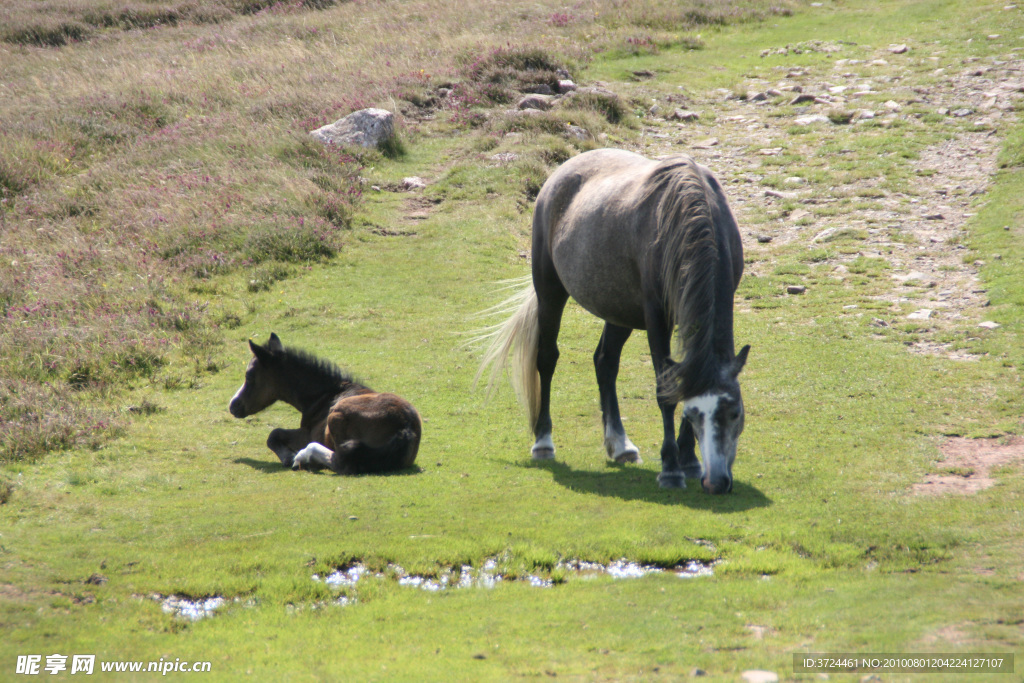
(148, 147)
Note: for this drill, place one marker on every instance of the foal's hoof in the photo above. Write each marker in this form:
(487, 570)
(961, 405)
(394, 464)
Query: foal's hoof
(672, 480)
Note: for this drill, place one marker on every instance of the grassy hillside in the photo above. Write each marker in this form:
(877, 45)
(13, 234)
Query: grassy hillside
(163, 204)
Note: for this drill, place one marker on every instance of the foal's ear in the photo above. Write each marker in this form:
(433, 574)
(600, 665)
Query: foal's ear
(741, 360)
(275, 344)
(262, 353)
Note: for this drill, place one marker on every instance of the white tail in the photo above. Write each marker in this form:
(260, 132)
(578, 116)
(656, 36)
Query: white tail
(516, 338)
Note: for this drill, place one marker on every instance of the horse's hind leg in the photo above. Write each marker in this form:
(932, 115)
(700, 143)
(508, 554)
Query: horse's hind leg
(551, 299)
(606, 364)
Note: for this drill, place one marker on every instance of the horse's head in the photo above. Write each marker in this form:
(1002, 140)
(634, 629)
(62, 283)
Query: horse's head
(259, 390)
(717, 420)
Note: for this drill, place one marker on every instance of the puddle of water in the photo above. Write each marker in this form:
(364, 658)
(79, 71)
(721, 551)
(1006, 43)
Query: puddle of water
(487, 575)
(186, 608)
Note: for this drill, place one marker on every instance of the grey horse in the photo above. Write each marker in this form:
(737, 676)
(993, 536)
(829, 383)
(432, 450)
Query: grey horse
(644, 245)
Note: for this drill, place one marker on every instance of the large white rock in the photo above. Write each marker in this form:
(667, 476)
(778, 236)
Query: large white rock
(366, 128)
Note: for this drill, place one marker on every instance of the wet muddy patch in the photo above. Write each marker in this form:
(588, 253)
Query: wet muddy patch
(967, 464)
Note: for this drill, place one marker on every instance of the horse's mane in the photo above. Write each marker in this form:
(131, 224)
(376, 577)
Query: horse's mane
(687, 250)
(313, 369)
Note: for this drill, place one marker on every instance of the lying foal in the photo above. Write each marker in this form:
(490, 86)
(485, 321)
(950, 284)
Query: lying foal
(345, 426)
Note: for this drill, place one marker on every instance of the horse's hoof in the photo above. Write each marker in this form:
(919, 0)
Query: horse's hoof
(672, 480)
(542, 454)
(628, 456)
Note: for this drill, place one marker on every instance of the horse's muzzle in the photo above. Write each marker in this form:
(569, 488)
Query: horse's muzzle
(719, 485)
(236, 408)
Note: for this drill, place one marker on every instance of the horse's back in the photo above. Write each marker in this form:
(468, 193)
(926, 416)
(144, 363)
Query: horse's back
(372, 418)
(590, 222)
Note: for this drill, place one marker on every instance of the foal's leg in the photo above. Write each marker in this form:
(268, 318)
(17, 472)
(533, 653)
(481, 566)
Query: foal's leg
(660, 340)
(286, 443)
(551, 300)
(606, 363)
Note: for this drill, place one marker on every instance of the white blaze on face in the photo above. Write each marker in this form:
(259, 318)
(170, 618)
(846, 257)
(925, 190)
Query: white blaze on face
(705, 405)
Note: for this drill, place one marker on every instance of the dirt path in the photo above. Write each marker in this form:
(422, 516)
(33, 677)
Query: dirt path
(917, 229)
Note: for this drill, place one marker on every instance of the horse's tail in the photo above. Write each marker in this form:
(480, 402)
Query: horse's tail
(517, 338)
(689, 256)
(397, 454)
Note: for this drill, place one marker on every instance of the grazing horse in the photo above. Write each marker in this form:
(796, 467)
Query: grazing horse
(644, 245)
(345, 426)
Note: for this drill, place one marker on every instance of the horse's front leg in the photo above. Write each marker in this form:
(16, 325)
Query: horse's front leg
(687, 451)
(606, 364)
(659, 339)
(286, 443)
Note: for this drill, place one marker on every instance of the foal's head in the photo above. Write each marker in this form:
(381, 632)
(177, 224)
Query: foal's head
(717, 420)
(262, 386)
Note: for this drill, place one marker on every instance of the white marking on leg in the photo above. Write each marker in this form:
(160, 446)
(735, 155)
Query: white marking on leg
(314, 453)
(619, 447)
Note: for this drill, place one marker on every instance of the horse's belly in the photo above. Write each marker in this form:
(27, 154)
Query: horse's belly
(605, 282)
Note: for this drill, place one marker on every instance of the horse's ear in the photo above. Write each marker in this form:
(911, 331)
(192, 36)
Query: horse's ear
(741, 360)
(274, 345)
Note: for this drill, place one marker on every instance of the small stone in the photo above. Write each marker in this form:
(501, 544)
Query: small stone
(960, 113)
(413, 183)
(942, 111)
(708, 143)
(576, 132)
(655, 110)
(878, 62)
(352, 518)
(780, 195)
(989, 325)
(684, 115)
(892, 105)
(764, 239)
(698, 672)
(758, 676)
(802, 98)
(565, 85)
(810, 119)
(535, 101)
(878, 322)
(825, 235)
(796, 289)
(795, 180)
(933, 217)
(863, 115)
(922, 314)
(898, 49)
(99, 579)
(753, 96)
(799, 214)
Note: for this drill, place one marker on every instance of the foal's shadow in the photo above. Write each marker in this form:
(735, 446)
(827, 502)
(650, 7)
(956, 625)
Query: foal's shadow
(631, 483)
(271, 467)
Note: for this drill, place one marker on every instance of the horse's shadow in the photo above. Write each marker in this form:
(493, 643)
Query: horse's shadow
(271, 467)
(630, 483)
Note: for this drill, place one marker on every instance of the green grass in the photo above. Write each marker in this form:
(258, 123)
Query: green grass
(821, 547)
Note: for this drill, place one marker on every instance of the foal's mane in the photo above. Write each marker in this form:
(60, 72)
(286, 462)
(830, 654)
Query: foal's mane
(311, 368)
(686, 250)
